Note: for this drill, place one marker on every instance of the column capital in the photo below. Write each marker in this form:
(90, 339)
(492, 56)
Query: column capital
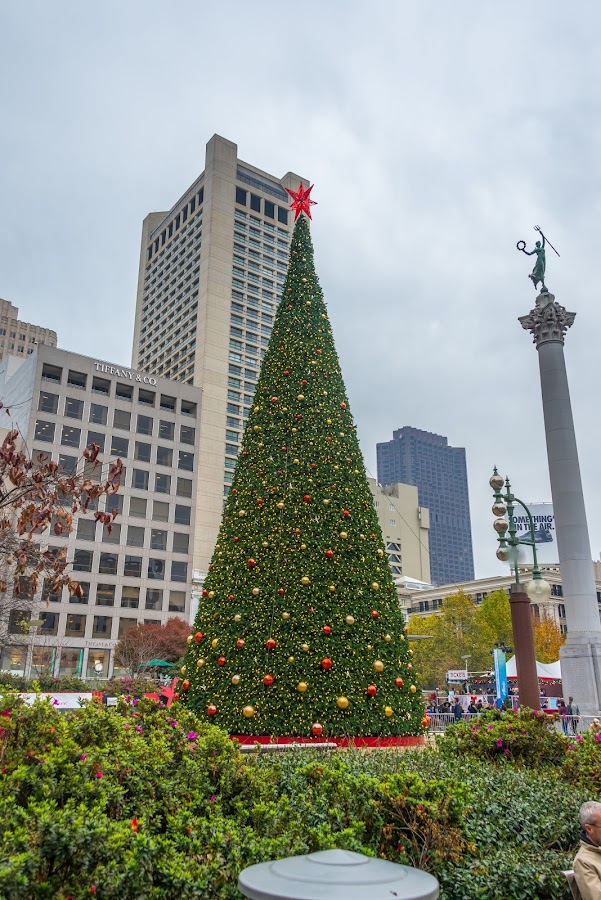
(548, 321)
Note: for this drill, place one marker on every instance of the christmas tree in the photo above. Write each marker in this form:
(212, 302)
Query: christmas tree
(299, 630)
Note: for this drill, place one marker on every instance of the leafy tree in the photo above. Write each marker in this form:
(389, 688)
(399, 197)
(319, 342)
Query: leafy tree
(36, 495)
(495, 612)
(144, 642)
(299, 623)
(456, 632)
(547, 638)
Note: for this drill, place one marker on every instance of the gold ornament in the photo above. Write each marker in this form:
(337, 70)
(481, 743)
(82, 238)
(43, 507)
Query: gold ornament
(350, 620)
(379, 665)
(387, 638)
(290, 659)
(296, 462)
(380, 551)
(248, 712)
(303, 546)
(200, 663)
(237, 617)
(214, 643)
(285, 615)
(305, 580)
(189, 639)
(305, 647)
(211, 594)
(325, 502)
(183, 670)
(369, 647)
(413, 689)
(343, 535)
(235, 679)
(300, 396)
(375, 586)
(332, 588)
(264, 544)
(280, 505)
(255, 592)
(342, 702)
(388, 711)
(301, 687)
(241, 512)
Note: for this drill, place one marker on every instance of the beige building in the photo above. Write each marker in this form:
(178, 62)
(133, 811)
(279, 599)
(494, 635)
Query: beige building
(425, 602)
(20, 338)
(405, 527)
(140, 571)
(211, 272)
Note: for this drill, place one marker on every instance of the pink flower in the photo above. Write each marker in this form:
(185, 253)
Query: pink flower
(99, 774)
(126, 726)
(506, 752)
(5, 712)
(598, 737)
(571, 747)
(489, 727)
(55, 701)
(191, 735)
(499, 743)
(83, 756)
(173, 723)
(139, 729)
(135, 701)
(578, 737)
(213, 798)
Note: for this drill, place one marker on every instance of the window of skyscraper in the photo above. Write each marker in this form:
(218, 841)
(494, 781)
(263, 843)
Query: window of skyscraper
(48, 402)
(96, 437)
(98, 414)
(269, 209)
(70, 436)
(124, 392)
(241, 196)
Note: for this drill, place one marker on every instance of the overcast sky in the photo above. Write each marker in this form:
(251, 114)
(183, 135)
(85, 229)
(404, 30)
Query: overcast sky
(437, 134)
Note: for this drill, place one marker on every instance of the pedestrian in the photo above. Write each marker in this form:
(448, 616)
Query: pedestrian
(473, 709)
(573, 712)
(562, 710)
(595, 727)
(458, 711)
(587, 864)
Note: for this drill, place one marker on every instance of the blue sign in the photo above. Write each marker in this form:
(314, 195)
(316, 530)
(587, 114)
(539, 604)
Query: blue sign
(500, 674)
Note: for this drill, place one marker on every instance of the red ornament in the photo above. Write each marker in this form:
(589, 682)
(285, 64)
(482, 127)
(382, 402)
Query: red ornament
(236, 540)
(345, 512)
(304, 381)
(374, 613)
(176, 695)
(316, 729)
(211, 710)
(409, 665)
(185, 685)
(230, 597)
(297, 530)
(399, 682)
(326, 664)
(270, 644)
(329, 554)
(198, 636)
(306, 498)
(205, 592)
(343, 405)
(240, 643)
(371, 690)
(274, 399)
(260, 501)
(221, 661)
(280, 590)
(326, 629)
(267, 680)
(284, 449)
(286, 372)
(251, 563)
(301, 201)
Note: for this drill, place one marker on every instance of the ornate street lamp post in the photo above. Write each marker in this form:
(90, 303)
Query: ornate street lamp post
(519, 597)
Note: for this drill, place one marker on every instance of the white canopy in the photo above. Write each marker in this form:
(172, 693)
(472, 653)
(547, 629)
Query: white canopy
(543, 670)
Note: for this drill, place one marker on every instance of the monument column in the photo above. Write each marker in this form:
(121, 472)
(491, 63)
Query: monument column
(581, 654)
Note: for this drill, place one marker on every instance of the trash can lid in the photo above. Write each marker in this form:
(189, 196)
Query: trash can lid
(335, 875)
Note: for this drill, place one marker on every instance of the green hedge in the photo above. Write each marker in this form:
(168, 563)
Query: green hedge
(141, 801)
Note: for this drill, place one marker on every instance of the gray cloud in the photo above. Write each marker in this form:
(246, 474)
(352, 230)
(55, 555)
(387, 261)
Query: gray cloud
(437, 136)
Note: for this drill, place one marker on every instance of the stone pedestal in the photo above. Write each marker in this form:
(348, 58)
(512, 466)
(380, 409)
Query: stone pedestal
(581, 655)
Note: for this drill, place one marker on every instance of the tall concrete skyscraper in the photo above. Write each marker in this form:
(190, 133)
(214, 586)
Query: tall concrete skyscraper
(211, 272)
(440, 474)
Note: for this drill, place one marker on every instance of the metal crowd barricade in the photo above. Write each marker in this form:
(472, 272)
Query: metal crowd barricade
(574, 724)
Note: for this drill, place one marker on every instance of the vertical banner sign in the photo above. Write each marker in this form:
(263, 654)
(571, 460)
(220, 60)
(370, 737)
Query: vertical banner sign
(500, 674)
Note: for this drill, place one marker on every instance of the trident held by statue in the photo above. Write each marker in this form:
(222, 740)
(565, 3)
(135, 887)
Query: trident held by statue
(538, 273)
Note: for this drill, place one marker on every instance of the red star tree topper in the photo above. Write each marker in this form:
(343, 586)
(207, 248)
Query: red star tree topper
(301, 201)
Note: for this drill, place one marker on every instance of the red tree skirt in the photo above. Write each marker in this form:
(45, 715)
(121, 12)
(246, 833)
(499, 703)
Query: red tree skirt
(409, 741)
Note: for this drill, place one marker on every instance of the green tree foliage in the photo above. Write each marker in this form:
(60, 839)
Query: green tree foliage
(457, 631)
(547, 638)
(496, 612)
(299, 618)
